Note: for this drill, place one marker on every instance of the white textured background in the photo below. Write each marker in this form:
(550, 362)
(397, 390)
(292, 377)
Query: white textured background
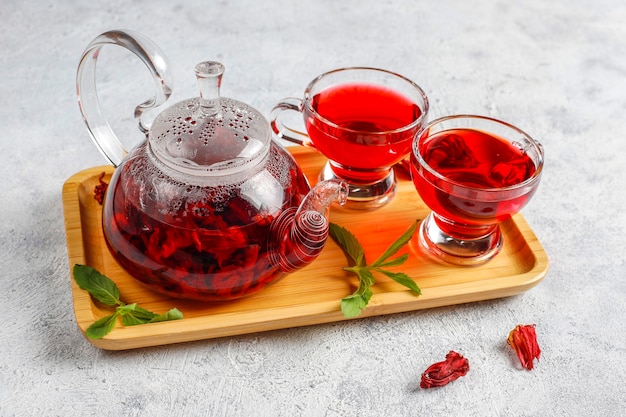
(557, 69)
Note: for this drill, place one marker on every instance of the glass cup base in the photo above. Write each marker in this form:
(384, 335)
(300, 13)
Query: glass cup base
(365, 196)
(467, 252)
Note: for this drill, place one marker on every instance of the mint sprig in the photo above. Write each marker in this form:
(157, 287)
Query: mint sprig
(104, 290)
(352, 305)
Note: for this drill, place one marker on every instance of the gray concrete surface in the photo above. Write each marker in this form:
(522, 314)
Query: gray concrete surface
(556, 69)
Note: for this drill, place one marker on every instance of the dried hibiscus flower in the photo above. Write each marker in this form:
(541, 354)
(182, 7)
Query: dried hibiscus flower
(441, 373)
(100, 190)
(523, 340)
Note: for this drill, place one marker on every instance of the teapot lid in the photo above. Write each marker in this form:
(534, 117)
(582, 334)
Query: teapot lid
(210, 135)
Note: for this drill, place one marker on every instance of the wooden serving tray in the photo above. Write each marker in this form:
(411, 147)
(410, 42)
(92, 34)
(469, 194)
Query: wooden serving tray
(309, 296)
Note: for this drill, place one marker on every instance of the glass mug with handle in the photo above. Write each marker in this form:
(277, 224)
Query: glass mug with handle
(364, 121)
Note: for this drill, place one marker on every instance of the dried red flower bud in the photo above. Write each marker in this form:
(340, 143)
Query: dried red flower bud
(523, 340)
(441, 373)
(100, 190)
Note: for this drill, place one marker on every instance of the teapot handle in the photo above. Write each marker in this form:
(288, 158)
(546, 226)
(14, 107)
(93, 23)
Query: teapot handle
(97, 124)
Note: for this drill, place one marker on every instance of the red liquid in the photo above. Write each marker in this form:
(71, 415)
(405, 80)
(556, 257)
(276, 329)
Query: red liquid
(364, 109)
(196, 253)
(476, 167)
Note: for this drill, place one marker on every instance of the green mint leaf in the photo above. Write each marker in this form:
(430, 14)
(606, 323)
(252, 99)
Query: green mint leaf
(102, 327)
(348, 243)
(367, 295)
(352, 305)
(173, 314)
(133, 315)
(142, 313)
(394, 262)
(96, 284)
(104, 290)
(366, 278)
(402, 278)
(397, 245)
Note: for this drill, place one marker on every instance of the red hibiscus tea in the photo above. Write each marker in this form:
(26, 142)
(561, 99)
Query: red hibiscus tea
(473, 172)
(363, 129)
(178, 259)
(195, 252)
(364, 121)
(466, 160)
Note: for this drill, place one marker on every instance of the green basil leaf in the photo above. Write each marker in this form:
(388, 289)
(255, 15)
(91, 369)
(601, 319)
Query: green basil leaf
(348, 243)
(102, 327)
(100, 287)
(402, 278)
(397, 245)
(173, 314)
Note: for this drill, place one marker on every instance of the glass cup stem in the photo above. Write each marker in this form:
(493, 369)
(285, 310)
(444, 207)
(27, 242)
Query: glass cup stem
(459, 244)
(365, 195)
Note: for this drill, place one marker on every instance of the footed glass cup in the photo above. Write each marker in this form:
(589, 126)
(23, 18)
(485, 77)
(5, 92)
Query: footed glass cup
(364, 121)
(473, 172)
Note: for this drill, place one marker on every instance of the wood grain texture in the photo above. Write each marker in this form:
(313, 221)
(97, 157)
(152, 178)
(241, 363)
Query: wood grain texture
(309, 296)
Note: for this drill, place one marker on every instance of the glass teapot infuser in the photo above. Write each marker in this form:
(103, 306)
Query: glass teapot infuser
(208, 206)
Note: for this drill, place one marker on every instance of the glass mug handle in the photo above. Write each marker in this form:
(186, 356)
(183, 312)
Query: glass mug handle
(281, 130)
(99, 129)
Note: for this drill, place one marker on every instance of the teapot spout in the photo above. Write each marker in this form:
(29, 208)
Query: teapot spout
(299, 234)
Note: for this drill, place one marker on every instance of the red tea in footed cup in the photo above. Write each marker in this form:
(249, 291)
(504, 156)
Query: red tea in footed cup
(473, 173)
(363, 120)
(364, 136)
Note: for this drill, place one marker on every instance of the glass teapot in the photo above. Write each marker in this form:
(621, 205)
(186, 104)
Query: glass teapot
(208, 206)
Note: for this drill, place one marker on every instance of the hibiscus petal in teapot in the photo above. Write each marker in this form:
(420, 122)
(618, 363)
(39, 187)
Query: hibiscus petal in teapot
(208, 206)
